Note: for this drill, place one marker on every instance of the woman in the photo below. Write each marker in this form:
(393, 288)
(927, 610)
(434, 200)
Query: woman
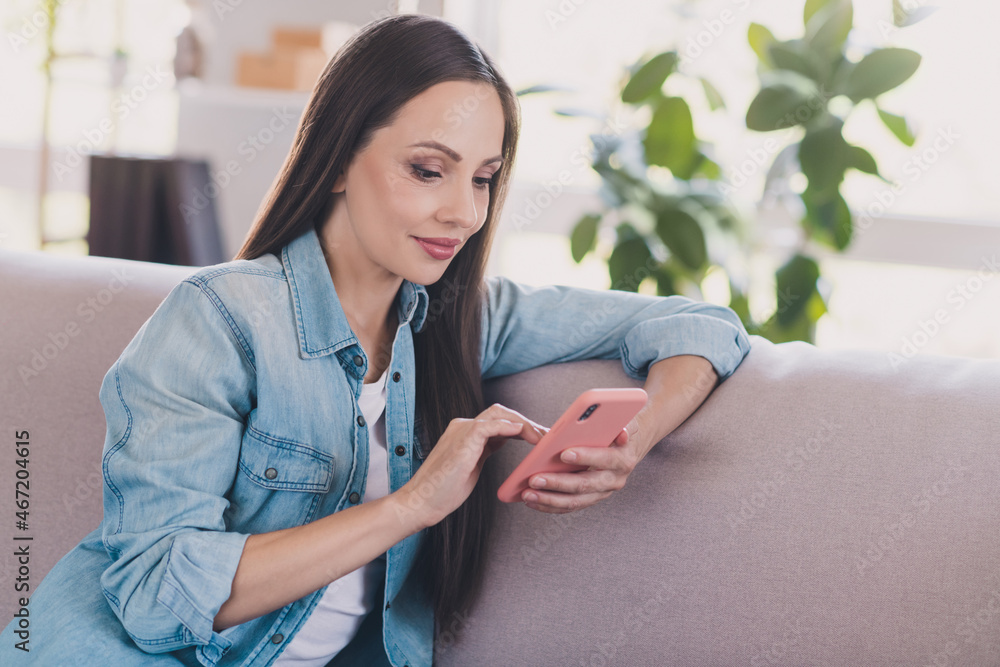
(295, 437)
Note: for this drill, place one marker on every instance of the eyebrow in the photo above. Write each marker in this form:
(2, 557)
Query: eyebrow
(452, 154)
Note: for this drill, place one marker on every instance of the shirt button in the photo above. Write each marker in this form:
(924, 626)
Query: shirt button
(277, 638)
(271, 473)
(361, 420)
(359, 360)
(354, 497)
(395, 377)
(400, 450)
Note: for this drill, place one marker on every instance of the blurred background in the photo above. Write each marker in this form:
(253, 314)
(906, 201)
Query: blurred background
(826, 168)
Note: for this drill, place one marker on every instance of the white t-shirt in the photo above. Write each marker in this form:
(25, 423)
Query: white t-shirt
(345, 603)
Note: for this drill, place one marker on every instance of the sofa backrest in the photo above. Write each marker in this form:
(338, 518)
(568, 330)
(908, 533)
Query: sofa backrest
(822, 507)
(65, 320)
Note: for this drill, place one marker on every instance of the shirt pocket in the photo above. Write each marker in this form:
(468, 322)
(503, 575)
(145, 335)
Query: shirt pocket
(283, 464)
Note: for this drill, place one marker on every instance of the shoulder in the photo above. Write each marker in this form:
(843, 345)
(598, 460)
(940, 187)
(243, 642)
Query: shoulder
(244, 296)
(238, 274)
(242, 285)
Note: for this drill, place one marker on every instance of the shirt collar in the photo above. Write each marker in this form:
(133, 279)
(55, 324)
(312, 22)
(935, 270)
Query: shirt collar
(322, 324)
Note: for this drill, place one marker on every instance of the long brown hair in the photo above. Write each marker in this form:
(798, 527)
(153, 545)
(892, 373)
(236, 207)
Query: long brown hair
(376, 72)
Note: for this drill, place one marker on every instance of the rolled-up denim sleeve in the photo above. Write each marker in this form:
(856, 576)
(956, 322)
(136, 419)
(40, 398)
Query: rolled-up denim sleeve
(526, 326)
(175, 403)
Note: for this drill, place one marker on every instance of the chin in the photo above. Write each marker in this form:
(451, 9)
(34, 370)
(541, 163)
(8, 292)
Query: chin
(424, 277)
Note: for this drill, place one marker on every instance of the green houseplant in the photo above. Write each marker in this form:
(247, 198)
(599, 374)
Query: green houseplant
(807, 83)
(794, 75)
(671, 229)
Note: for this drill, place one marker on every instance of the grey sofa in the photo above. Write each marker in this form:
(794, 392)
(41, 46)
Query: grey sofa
(821, 508)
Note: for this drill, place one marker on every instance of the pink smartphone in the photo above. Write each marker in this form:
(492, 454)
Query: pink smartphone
(594, 419)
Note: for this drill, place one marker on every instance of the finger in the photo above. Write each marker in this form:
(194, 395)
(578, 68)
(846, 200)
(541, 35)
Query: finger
(602, 458)
(583, 482)
(503, 412)
(531, 432)
(562, 503)
(494, 433)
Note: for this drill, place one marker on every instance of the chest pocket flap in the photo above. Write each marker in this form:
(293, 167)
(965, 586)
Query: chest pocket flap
(279, 463)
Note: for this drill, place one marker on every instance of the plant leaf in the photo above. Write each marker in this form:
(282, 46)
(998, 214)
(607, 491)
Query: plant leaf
(829, 218)
(683, 236)
(782, 165)
(862, 160)
(544, 88)
(715, 100)
(812, 6)
(760, 38)
(824, 155)
(626, 259)
(880, 71)
(795, 284)
(584, 236)
(670, 140)
(828, 28)
(574, 111)
(649, 78)
(795, 56)
(739, 304)
(898, 126)
(782, 95)
(665, 281)
(902, 17)
(708, 168)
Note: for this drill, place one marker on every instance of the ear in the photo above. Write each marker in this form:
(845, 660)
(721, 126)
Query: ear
(339, 185)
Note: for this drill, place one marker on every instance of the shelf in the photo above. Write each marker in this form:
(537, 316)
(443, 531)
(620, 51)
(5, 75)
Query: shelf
(194, 89)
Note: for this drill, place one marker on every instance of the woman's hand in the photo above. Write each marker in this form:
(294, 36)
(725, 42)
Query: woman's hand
(450, 472)
(562, 492)
(676, 386)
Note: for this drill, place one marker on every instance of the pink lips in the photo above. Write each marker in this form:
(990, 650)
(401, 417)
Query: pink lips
(437, 250)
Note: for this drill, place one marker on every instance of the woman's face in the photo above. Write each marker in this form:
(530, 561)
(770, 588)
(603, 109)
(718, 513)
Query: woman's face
(426, 176)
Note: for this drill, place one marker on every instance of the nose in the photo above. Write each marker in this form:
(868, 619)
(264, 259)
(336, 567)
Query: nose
(460, 206)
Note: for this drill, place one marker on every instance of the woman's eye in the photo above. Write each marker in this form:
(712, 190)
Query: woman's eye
(428, 175)
(424, 174)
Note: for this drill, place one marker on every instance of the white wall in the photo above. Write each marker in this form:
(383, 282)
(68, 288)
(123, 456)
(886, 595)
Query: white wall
(246, 133)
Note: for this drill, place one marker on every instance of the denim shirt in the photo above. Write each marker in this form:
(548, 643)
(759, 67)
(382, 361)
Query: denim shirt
(234, 411)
